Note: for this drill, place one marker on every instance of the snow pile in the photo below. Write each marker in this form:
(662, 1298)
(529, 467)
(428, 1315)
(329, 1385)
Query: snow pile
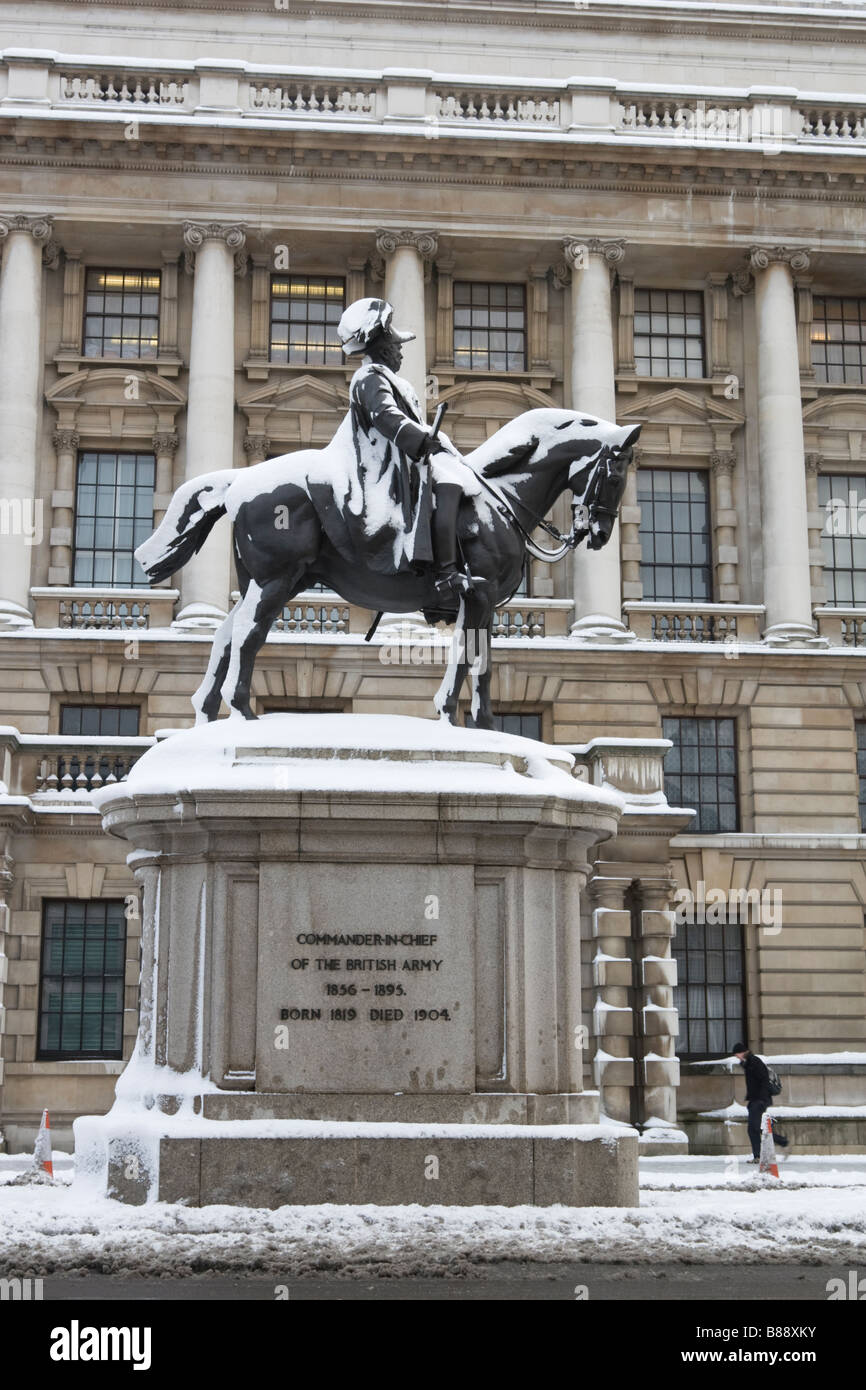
(58, 1230)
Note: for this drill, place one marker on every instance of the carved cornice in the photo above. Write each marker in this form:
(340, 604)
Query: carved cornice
(760, 257)
(425, 243)
(40, 228)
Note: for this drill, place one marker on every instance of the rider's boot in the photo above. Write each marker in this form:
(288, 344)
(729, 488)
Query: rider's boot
(447, 577)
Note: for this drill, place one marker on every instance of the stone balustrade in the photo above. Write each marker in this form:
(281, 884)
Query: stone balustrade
(65, 767)
(695, 622)
(842, 627)
(574, 106)
(103, 609)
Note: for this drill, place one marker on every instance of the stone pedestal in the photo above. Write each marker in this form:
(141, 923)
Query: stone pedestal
(361, 970)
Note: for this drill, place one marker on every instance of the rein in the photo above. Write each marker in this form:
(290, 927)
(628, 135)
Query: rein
(566, 543)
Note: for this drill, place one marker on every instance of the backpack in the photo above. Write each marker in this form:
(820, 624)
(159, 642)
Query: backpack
(773, 1080)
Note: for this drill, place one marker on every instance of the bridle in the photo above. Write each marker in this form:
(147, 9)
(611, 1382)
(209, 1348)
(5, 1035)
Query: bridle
(601, 498)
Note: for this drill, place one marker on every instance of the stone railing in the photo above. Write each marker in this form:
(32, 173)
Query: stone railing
(64, 767)
(722, 623)
(843, 627)
(104, 610)
(329, 618)
(577, 107)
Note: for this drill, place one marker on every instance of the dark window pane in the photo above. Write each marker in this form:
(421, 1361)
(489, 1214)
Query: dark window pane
(314, 304)
(82, 979)
(671, 336)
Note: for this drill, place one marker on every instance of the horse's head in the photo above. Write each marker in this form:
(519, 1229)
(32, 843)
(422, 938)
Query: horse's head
(599, 485)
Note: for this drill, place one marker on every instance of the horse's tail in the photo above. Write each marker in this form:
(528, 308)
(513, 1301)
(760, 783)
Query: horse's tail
(192, 514)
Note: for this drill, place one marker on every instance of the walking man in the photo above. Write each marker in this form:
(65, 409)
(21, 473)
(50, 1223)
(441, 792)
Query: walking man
(759, 1096)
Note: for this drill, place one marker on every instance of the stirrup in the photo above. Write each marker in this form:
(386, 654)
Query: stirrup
(454, 581)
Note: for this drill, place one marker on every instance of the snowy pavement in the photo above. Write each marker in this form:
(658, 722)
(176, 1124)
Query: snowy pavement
(693, 1211)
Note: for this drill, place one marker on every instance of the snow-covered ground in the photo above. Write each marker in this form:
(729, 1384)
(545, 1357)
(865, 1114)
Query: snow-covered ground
(693, 1210)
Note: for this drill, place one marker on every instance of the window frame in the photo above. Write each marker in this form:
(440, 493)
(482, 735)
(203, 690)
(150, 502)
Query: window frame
(115, 551)
(104, 356)
(829, 539)
(308, 276)
(488, 329)
(740, 1025)
(45, 1054)
(667, 336)
(822, 368)
(655, 566)
(680, 798)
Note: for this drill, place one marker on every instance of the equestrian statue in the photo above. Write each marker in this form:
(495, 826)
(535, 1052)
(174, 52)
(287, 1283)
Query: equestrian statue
(393, 518)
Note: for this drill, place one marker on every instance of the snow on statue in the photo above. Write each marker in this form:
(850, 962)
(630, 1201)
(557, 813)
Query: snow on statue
(393, 518)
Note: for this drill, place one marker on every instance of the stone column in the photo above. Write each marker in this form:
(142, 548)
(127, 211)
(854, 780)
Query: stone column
(406, 254)
(597, 580)
(612, 1015)
(727, 589)
(817, 522)
(165, 444)
(21, 511)
(660, 1068)
(213, 246)
(781, 450)
(63, 507)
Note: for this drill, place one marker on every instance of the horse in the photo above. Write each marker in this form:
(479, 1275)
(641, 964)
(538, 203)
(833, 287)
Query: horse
(281, 545)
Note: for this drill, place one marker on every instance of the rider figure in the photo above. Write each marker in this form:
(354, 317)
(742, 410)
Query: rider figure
(388, 424)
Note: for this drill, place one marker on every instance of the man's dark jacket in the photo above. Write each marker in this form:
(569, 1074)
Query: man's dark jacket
(757, 1080)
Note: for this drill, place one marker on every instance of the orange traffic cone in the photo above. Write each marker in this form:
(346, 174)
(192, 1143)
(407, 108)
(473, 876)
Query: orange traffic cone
(768, 1149)
(42, 1152)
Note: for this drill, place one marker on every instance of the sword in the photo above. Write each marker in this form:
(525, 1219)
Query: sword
(424, 459)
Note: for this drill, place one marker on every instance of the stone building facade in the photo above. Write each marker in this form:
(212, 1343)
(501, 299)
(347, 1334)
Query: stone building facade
(652, 212)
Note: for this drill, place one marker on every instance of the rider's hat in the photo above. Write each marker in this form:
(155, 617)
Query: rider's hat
(363, 320)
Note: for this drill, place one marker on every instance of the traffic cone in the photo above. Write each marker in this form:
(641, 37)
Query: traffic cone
(42, 1152)
(768, 1149)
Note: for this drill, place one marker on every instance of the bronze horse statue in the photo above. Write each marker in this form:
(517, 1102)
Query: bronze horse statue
(282, 544)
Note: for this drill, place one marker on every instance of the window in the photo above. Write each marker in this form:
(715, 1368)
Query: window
(113, 514)
(709, 995)
(305, 311)
(82, 979)
(527, 725)
(121, 313)
(98, 721)
(701, 771)
(843, 498)
(675, 534)
(489, 327)
(669, 333)
(839, 340)
(861, 770)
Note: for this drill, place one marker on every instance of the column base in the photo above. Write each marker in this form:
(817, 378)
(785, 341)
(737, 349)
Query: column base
(12, 615)
(200, 617)
(600, 628)
(793, 635)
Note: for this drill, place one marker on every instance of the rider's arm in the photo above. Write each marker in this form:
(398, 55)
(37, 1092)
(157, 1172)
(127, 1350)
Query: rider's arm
(376, 398)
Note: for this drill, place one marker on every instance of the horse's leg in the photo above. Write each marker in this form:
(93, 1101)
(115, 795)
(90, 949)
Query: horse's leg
(255, 613)
(207, 699)
(447, 697)
(479, 622)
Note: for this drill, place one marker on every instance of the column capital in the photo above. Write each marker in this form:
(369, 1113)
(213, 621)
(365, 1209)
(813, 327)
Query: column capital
(425, 243)
(256, 444)
(723, 462)
(195, 234)
(65, 441)
(577, 249)
(40, 228)
(760, 257)
(813, 464)
(165, 443)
